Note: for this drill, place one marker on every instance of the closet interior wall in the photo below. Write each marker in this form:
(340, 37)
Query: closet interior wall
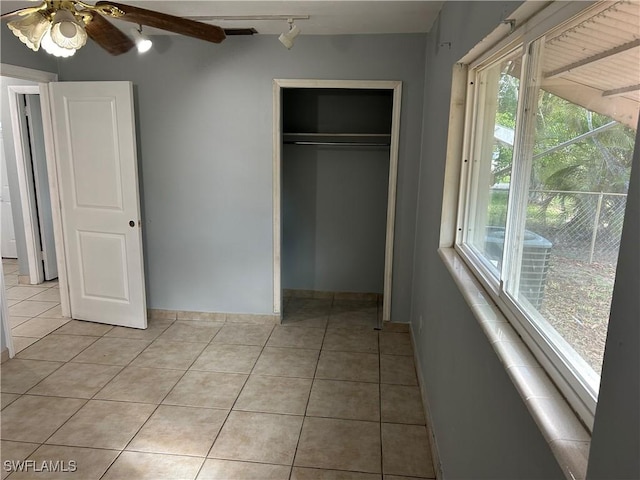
(335, 179)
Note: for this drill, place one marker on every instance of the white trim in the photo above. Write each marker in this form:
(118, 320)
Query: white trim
(277, 197)
(23, 73)
(27, 194)
(354, 84)
(278, 85)
(391, 201)
(54, 189)
(455, 151)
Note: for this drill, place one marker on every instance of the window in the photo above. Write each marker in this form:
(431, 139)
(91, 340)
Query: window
(549, 137)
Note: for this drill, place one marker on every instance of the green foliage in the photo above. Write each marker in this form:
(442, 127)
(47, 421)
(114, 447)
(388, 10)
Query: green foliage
(598, 163)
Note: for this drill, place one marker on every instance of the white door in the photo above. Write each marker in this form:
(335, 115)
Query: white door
(95, 145)
(41, 183)
(8, 241)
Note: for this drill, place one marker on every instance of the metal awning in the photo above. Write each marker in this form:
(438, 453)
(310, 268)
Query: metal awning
(594, 61)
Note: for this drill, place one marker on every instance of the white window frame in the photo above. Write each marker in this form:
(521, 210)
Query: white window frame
(578, 385)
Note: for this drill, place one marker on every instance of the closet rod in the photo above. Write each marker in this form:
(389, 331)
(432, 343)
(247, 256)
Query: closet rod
(320, 134)
(346, 144)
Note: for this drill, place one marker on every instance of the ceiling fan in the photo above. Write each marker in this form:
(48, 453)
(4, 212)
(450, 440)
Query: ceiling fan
(62, 26)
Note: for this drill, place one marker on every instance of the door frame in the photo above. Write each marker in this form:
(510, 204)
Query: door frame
(278, 85)
(25, 187)
(43, 78)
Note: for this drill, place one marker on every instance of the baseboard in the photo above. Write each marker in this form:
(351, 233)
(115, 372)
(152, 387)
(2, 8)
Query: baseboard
(4, 355)
(363, 296)
(435, 455)
(220, 317)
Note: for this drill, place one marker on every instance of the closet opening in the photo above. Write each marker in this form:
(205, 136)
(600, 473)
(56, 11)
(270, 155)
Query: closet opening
(335, 170)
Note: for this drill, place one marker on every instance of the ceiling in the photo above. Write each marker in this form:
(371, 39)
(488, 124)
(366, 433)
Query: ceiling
(325, 17)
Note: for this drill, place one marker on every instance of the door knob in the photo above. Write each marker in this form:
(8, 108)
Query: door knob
(132, 223)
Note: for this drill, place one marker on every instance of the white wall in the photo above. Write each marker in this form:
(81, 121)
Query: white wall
(205, 136)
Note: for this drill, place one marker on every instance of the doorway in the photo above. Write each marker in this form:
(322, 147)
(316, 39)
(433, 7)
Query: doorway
(28, 156)
(369, 138)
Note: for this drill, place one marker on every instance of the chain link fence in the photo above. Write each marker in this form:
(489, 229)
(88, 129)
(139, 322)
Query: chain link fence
(584, 226)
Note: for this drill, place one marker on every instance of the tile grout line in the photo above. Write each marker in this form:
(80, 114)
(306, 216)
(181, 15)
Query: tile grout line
(156, 405)
(204, 459)
(86, 400)
(306, 408)
(93, 397)
(237, 397)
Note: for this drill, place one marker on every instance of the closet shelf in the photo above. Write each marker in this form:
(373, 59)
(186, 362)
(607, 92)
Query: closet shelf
(342, 139)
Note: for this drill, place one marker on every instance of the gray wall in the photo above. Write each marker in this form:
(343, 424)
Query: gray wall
(205, 137)
(615, 444)
(481, 424)
(482, 427)
(334, 207)
(15, 53)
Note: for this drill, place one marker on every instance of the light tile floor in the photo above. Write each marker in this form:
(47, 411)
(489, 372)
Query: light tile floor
(34, 311)
(323, 396)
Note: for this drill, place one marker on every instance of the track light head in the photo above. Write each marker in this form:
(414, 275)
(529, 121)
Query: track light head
(143, 44)
(287, 38)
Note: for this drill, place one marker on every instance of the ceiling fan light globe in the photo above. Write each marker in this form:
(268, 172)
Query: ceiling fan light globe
(52, 48)
(66, 31)
(30, 29)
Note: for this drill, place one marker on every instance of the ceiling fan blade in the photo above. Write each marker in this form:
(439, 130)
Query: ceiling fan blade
(170, 23)
(109, 37)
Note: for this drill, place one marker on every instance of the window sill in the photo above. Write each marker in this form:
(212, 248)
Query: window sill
(568, 439)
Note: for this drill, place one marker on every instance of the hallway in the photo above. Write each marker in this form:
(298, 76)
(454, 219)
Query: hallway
(321, 396)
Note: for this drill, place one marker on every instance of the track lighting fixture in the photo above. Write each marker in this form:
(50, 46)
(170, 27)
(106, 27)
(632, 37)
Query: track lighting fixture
(287, 38)
(143, 44)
